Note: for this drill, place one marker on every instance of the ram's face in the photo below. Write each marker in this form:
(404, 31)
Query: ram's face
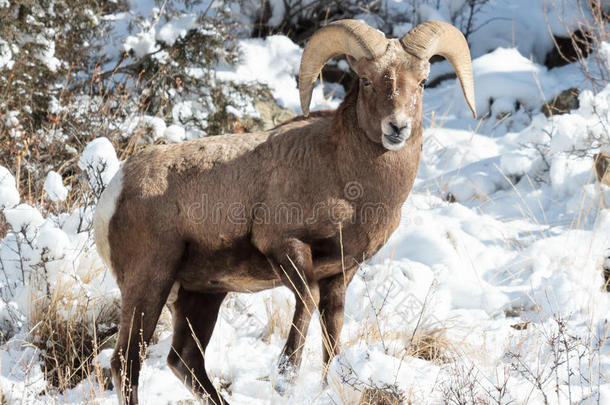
(390, 95)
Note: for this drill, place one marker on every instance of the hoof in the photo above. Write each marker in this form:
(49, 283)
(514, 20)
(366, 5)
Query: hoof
(282, 384)
(286, 375)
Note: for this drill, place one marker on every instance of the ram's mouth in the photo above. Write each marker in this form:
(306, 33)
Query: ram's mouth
(394, 138)
(393, 141)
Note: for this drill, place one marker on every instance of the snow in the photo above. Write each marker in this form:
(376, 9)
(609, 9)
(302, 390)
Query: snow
(275, 62)
(174, 133)
(176, 28)
(152, 28)
(24, 218)
(426, 13)
(604, 52)
(478, 171)
(53, 240)
(504, 78)
(54, 187)
(6, 56)
(9, 196)
(20, 372)
(370, 367)
(47, 53)
(518, 163)
(142, 43)
(507, 24)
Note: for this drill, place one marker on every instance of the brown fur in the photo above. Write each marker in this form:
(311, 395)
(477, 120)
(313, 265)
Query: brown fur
(163, 230)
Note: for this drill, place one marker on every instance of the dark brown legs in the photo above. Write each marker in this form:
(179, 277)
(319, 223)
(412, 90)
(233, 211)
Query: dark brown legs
(194, 316)
(142, 302)
(292, 260)
(332, 301)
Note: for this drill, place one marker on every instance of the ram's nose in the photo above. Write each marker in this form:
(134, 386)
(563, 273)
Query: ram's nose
(396, 129)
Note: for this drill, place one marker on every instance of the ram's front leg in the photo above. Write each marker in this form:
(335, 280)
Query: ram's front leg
(293, 260)
(331, 307)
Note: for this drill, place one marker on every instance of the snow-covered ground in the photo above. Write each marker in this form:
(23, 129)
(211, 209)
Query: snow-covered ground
(498, 256)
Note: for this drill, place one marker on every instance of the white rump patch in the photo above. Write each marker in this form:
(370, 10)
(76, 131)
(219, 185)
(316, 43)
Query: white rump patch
(103, 213)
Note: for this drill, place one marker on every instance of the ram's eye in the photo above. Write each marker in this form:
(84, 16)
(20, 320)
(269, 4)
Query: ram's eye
(365, 81)
(422, 83)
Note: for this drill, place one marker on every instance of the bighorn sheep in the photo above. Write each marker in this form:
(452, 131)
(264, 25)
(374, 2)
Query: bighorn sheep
(300, 205)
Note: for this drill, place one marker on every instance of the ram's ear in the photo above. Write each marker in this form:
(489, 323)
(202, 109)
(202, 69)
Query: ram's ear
(353, 63)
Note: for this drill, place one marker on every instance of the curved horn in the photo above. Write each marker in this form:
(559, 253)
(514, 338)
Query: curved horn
(349, 37)
(439, 38)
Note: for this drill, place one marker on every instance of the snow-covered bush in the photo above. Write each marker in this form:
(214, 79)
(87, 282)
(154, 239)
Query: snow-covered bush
(40, 43)
(71, 71)
(586, 31)
(568, 142)
(55, 286)
(299, 18)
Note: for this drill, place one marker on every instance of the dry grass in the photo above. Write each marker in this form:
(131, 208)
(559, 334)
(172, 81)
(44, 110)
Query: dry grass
(69, 341)
(377, 396)
(3, 227)
(277, 322)
(431, 346)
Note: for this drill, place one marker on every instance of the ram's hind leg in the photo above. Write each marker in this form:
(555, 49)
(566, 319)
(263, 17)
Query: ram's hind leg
(194, 316)
(144, 285)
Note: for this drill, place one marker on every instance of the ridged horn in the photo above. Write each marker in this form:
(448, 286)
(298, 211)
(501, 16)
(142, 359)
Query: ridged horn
(350, 37)
(439, 38)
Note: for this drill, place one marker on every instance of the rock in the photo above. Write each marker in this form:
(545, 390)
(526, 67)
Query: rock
(600, 166)
(563, 103)
(439, 79)
(520, 326)
(569, 49)
(271, 115)
(334, 74)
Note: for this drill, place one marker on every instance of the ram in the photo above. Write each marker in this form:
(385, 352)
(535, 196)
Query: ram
(298, 206)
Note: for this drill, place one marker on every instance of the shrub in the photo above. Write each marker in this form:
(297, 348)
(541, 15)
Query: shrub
(60, 87)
